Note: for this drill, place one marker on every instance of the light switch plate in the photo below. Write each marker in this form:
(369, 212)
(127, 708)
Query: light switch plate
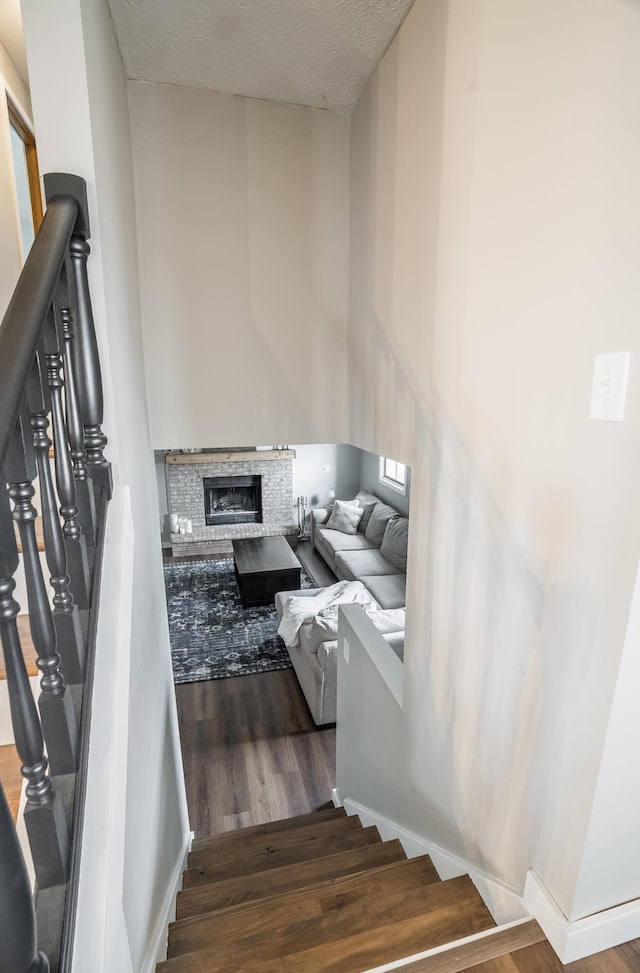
(609, 387)
(345, 650)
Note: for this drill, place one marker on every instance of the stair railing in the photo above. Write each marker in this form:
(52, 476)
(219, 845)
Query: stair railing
(50, 397)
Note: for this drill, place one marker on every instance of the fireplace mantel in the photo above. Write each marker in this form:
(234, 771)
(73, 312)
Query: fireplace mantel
(246, 456)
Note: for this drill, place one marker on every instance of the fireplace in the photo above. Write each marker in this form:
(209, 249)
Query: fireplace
(216, 524)
(232, 500)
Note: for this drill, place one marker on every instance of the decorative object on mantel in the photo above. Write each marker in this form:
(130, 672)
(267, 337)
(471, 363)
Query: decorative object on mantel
(212, 635)
(301, 506)
(181, 525)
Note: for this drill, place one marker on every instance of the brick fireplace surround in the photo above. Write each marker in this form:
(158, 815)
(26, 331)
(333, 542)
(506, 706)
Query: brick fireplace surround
(185, 474)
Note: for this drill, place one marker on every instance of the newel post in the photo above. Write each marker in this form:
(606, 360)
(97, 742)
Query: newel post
(84, 350)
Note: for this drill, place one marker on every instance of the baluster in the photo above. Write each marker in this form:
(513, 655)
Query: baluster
(70, 641)
(56, 707)
(18, 941)
(77, 559)
(85, 497)
(87, 365)
(44, 812)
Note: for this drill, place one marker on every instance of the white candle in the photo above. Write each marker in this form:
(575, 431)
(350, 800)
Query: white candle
(174, 524)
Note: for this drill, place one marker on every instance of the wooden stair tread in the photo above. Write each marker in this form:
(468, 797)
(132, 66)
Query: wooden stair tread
(276, 857)
(477, 955)
(269, 827)
(356, 937)
(314, 901)
(28, 648)
(248, 845)
(11, 777)
(39, 534)
(248, 889)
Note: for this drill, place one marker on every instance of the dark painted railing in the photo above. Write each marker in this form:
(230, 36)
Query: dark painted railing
(50, 398)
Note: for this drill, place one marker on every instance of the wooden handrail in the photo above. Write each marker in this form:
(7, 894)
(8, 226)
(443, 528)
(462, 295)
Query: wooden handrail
(24, 318)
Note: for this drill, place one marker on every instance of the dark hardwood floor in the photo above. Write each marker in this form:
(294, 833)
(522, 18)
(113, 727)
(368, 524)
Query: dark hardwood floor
(252, 752)
(540, 958)
(306, 553)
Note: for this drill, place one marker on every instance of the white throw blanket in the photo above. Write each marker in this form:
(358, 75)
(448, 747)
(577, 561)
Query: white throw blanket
(298, 610)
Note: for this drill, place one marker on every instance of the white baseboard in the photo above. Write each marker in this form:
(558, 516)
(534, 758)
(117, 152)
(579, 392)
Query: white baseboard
(583, 937)
(157, 949)
(502, 901)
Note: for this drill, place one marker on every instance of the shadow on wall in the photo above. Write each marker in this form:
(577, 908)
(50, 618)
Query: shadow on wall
(490, 646)
(500, 658)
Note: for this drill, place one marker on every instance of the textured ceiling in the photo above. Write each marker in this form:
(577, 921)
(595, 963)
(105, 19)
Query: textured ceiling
(319, 53)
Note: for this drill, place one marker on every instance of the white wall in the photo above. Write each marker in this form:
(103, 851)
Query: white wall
(495, 230)
(611, 861)
(82, 125)
(10, 243)
(311, 479)
(242, 225)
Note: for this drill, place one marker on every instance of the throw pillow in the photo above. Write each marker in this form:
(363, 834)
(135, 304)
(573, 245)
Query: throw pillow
(394, 543)
(345, 517)
(329, 506)
(380, 517)
(387, 620)
(367, 501)
(364, 497)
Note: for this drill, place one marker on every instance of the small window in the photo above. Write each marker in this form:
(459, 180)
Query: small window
(393, 474)
(25, 163)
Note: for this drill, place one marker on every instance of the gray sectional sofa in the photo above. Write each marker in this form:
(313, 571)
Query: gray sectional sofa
(376, 555)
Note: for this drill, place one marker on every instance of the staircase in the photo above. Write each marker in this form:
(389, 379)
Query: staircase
(321, 894)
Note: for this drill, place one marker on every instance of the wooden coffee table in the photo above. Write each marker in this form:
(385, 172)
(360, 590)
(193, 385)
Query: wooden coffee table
(264, 566)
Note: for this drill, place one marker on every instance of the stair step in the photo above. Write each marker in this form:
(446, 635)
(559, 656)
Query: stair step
(268, 858)
(39, 535)
(482, 952)
(247, 888)
(268, 827)
(354, 938)
(312, 902)
(242, 845)
(28, 648)
(11, 777)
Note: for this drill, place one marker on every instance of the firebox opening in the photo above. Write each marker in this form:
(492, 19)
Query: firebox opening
(232, 500)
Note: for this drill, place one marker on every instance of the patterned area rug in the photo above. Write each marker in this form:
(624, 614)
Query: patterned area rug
(212, 635)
